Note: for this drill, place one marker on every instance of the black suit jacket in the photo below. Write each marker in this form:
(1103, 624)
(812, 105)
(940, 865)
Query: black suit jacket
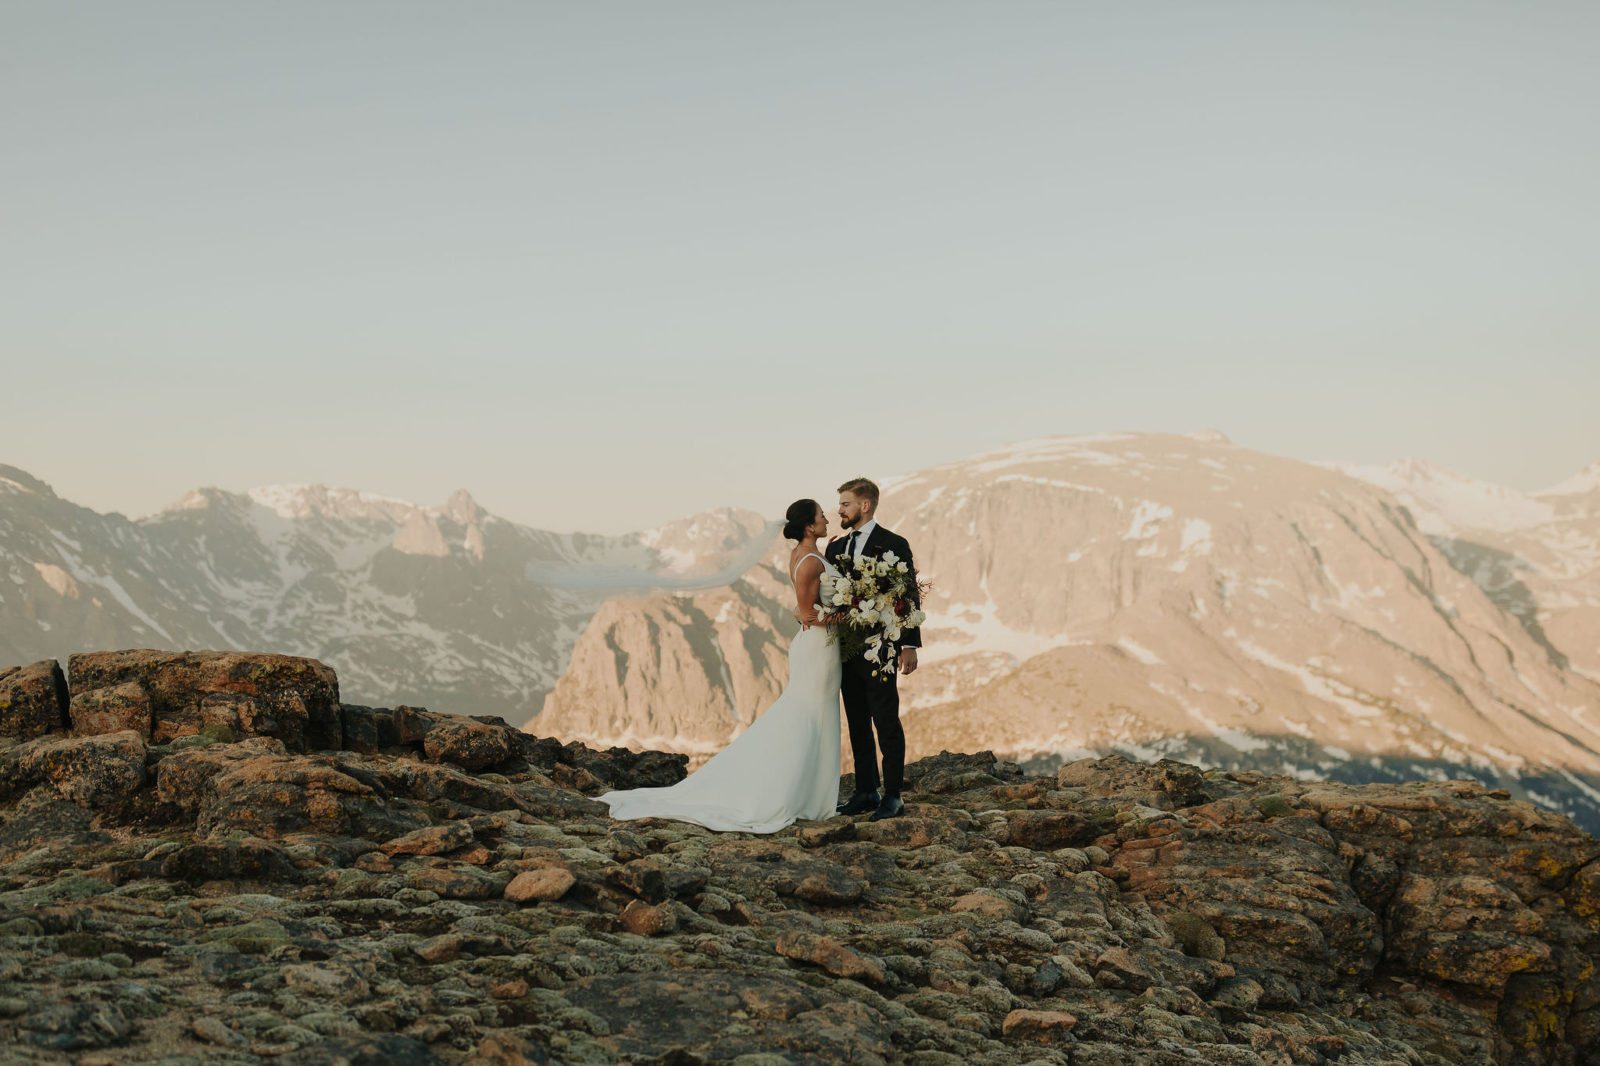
(882, 540)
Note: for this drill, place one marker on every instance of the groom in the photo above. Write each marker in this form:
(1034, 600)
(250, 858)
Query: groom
(873, 702)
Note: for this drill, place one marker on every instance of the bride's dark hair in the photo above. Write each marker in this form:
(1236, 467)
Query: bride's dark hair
(801, 513)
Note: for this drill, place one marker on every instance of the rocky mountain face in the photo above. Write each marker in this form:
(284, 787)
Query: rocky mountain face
(448, 604)
(1150, 594)
(1537, 555)
(1174, 596)
(224, 863)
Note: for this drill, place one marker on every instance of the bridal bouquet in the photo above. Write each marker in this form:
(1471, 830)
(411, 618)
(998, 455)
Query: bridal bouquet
(871, 602)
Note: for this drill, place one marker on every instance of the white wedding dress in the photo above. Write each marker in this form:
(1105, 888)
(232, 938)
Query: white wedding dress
(785, 766)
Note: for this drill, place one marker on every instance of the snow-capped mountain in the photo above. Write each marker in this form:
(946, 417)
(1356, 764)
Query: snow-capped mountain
(1158, 594)
(1148, 593)
(447, 605)
(1537, 555)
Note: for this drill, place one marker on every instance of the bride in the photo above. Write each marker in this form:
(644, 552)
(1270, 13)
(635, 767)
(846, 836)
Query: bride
(786, 764)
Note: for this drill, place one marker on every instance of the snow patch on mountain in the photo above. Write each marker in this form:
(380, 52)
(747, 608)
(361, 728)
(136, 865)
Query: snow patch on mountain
(1443, 501)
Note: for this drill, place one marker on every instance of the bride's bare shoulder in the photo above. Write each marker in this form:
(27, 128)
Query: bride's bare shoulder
(800, 562)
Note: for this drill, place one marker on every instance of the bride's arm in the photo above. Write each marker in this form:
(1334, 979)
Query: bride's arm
(807, 588)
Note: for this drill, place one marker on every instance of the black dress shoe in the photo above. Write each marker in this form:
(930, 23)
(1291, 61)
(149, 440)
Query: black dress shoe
(889, 808)
(861, 801)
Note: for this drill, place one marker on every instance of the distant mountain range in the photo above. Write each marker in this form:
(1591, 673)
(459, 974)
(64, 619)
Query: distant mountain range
(448, 605)
(1148, 593)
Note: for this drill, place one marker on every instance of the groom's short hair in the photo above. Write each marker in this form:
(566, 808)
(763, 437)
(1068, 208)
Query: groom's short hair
(863, 489)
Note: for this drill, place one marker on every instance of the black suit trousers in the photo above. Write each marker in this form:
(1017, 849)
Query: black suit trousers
(873, 703)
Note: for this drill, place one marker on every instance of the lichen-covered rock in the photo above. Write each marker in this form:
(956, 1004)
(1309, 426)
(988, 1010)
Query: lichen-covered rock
(231, 860)
(549, 883)
(368, 729)
(33, 700)
(369, 905)
(293, 699)
(1195, 935)
(828, 953)
(1468, 930)
(272, 796)
(1043, 1026)
(469, 744)
(646, 919)
(91, 771)
(430, 840)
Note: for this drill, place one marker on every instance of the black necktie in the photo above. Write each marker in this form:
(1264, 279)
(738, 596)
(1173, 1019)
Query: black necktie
(850, 545)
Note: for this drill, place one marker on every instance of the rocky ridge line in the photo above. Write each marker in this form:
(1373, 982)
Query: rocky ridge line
(203, 880)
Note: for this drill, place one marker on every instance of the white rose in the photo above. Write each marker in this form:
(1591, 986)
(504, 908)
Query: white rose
(891, 558)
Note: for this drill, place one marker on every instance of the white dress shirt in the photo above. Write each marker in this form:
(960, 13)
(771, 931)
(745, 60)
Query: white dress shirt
(862, 533)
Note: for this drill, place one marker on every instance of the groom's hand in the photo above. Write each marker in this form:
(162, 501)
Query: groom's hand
(908, 660)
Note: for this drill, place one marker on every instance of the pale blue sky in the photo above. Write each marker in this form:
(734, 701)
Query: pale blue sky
(606, 264)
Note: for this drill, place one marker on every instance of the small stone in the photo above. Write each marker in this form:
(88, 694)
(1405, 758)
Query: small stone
(549, 883)
(326, 981)
(329, 1023)
(828, 953)
(457, 882)
(213, 1031)
(985, 903)
(648, 920)
(505, 1049)
(69, 1027)
(439, 949)
(1241, 993)
(1044, 1026)
(510, 990)
(433, 840)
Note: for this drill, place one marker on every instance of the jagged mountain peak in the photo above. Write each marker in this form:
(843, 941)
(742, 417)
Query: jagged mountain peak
(461, 507)
(327, 501)
(14, 479)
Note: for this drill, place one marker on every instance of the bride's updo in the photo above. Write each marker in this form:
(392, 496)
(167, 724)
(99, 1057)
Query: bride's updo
(801, 513)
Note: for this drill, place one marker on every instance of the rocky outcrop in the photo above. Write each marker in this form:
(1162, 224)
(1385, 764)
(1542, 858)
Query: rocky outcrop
(451, 892)
(33, 699)
(168, 695)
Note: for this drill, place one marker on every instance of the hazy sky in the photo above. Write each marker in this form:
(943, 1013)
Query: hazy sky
(606, 264)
